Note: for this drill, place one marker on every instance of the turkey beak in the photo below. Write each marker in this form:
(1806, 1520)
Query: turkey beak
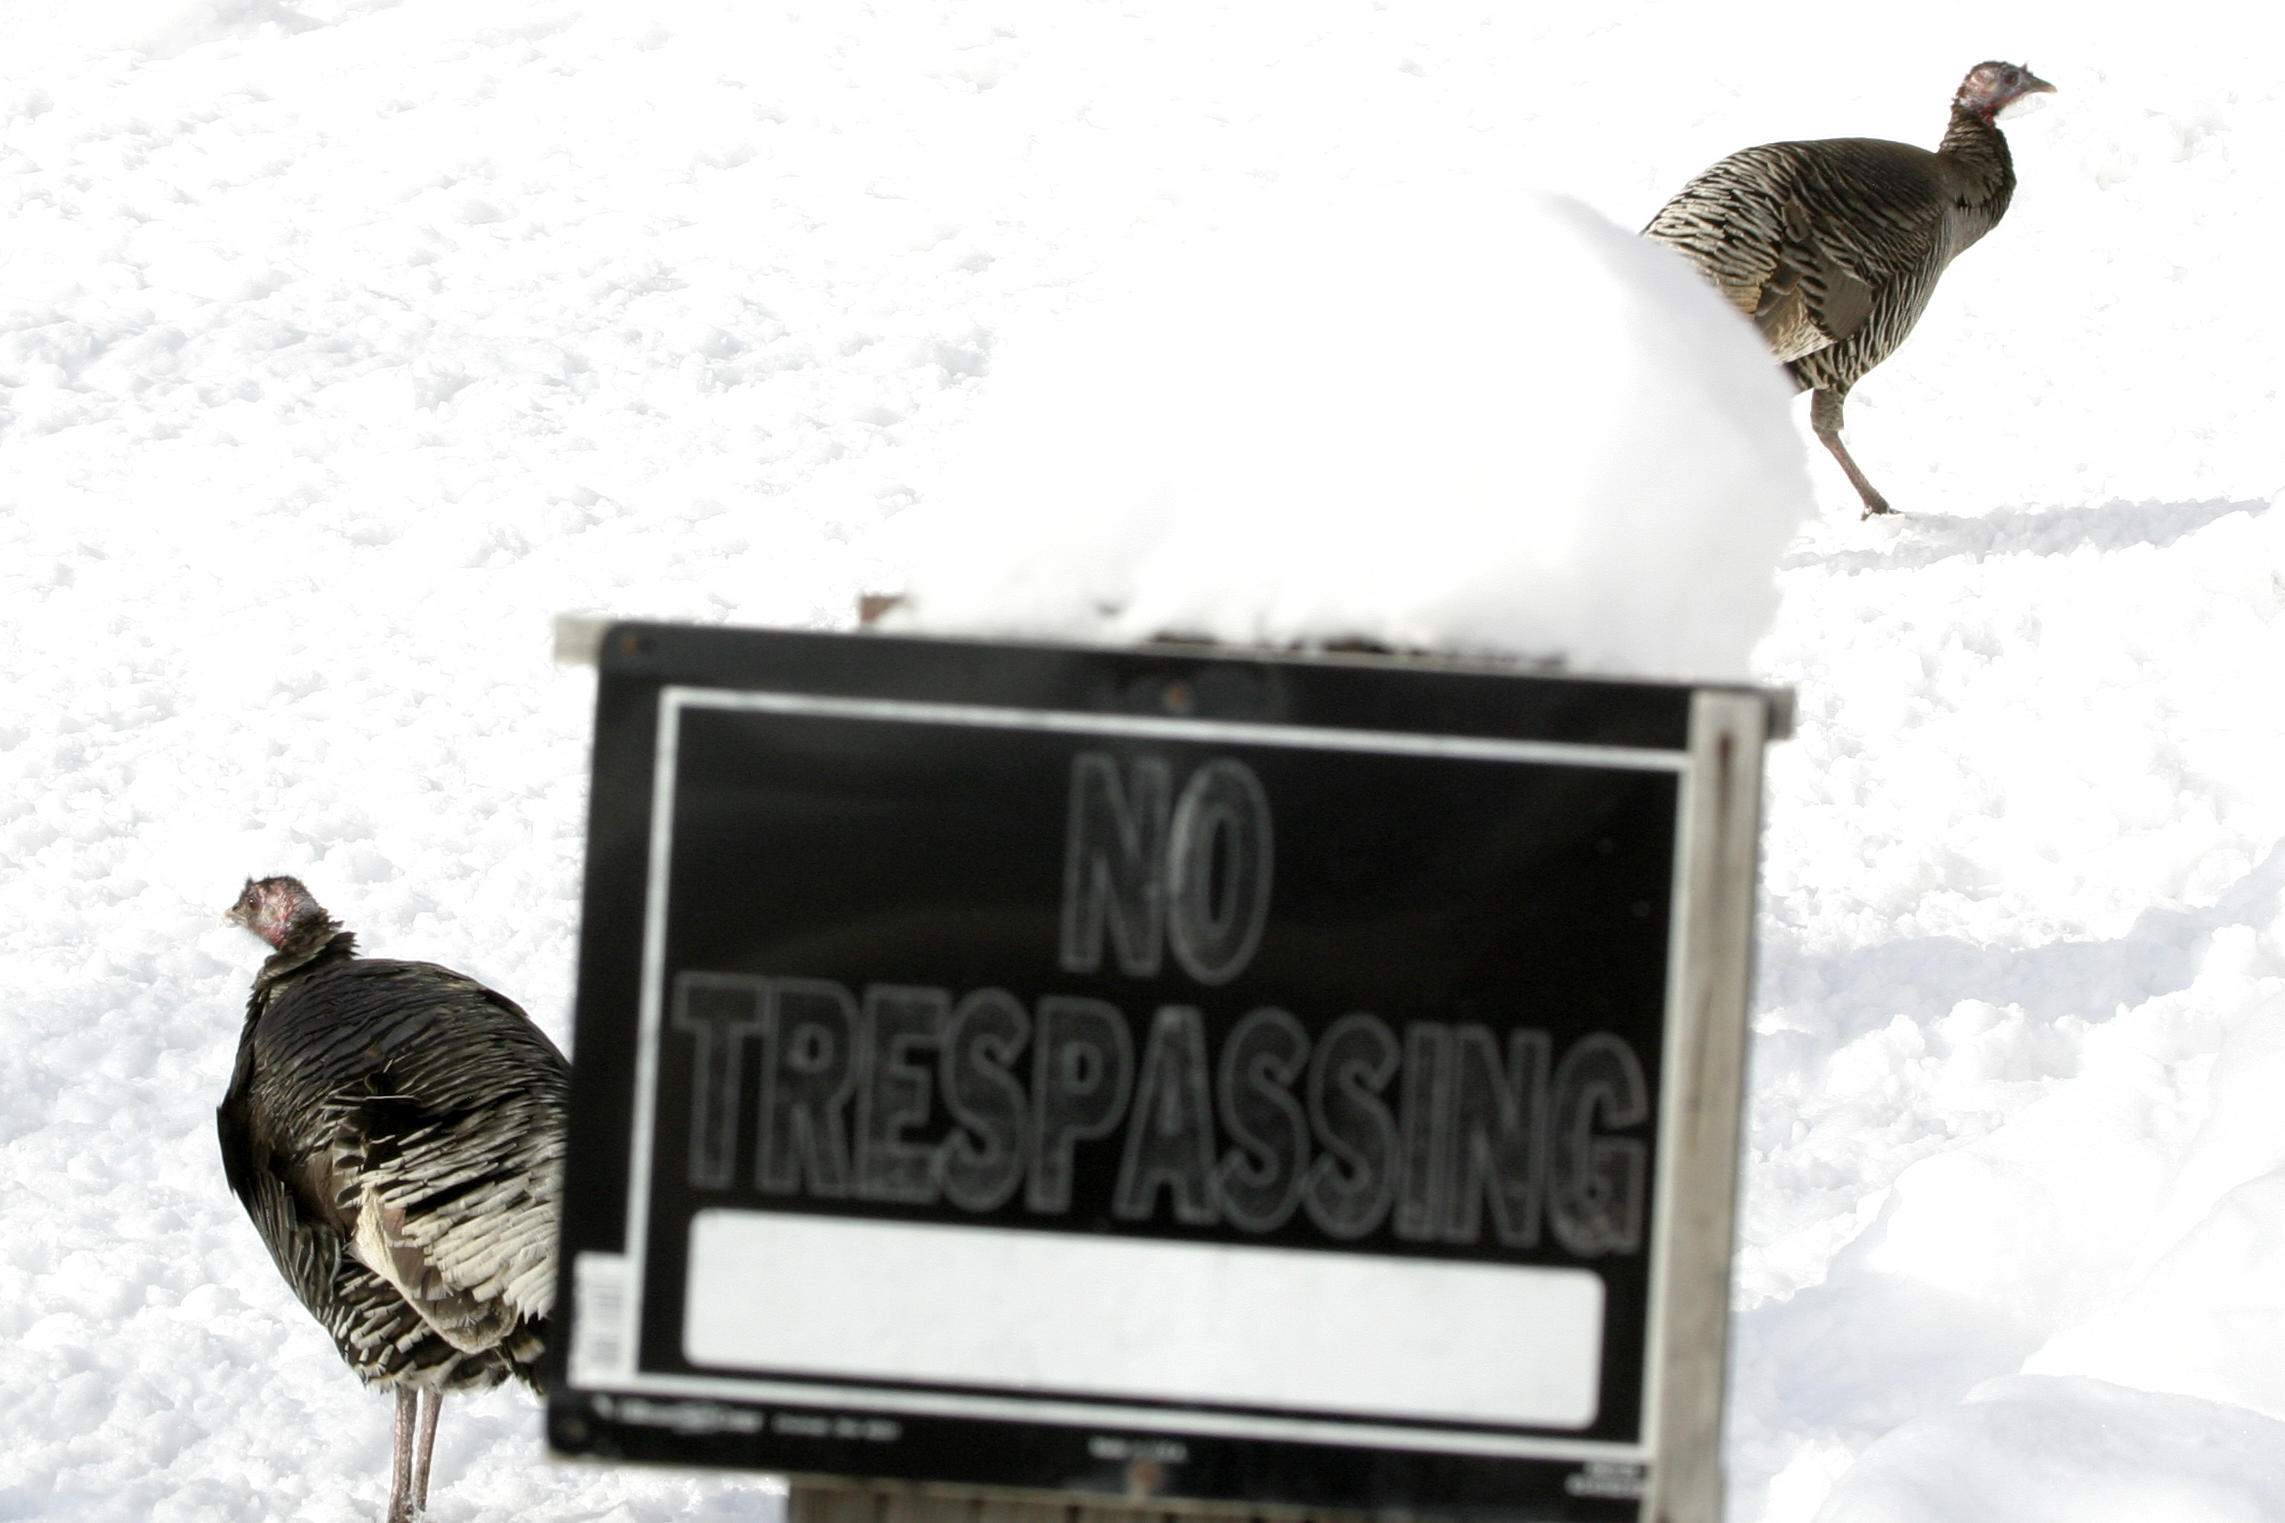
(2026, 98)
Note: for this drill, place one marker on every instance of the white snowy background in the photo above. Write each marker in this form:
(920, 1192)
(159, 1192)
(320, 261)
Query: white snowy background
(343, 344)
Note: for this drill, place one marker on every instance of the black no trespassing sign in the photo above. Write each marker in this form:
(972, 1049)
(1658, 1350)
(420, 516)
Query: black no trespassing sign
(1159, 1073)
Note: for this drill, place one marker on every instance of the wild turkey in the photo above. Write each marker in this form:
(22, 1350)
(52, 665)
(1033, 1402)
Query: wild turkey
(1832, 247)
(395, 1131)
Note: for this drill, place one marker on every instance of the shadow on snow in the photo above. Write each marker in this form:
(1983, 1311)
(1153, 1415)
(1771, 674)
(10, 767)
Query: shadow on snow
(1859, 989)
(1924, 539)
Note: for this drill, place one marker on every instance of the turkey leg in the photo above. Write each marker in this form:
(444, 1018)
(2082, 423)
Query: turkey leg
(431, 1404)
(1825, 420)
(401, 1459)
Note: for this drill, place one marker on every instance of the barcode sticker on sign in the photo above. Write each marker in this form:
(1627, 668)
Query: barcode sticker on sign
(602, 1342)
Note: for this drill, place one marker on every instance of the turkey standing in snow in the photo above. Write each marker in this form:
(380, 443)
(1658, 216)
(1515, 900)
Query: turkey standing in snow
(395, 1131)
(1833, 247)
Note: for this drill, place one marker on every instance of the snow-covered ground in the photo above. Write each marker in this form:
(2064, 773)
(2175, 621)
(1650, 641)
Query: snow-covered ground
(343, 344)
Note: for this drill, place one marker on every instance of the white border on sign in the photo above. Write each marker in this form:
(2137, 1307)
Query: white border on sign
(675, 698)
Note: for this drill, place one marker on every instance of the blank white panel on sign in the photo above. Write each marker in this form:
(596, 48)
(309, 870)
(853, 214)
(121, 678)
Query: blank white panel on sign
(1347, 1333)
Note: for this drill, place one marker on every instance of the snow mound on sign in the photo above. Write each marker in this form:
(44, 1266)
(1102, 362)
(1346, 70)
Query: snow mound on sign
(1464, 424)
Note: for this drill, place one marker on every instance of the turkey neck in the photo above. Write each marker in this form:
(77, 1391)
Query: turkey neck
(309, 945)
(1982, 173)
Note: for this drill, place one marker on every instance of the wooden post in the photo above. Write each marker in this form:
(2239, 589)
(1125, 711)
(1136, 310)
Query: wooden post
(819, 1500)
